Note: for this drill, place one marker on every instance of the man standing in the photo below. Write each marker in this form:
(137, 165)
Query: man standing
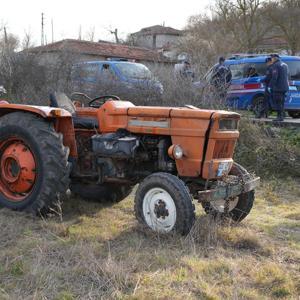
(184, 71)
(267, 95)
(279, 85)
(221, 78)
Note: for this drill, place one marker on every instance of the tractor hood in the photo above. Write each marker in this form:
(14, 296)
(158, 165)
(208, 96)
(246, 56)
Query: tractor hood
(207, 137)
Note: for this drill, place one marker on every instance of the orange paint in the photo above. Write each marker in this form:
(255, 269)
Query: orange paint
(18, 169)
(187, 128)
(197, 131)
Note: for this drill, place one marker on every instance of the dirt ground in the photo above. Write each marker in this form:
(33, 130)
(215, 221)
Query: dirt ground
(97, 251)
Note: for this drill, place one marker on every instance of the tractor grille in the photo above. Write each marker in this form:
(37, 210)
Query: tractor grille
(224, 149)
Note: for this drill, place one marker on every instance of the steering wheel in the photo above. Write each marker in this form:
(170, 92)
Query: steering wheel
(98, 101)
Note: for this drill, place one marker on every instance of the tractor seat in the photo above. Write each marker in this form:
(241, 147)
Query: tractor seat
(61, 100)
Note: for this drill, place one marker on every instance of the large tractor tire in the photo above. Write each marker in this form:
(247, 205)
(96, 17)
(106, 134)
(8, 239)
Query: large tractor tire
(33, 161)
(163, 203)
(101, 193)
(238, 207)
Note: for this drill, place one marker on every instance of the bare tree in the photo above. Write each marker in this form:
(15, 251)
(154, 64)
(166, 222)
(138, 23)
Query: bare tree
(244, 20)
(90, 35)
(8, 46)
(205, 39)
(27, 41)
(284, 16)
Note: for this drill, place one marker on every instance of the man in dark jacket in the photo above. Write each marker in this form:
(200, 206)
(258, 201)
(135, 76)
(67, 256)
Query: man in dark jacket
(267, 95)
(279, 85)
(221, 78)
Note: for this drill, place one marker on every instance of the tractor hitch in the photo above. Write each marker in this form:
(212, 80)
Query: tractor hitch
(228, 191)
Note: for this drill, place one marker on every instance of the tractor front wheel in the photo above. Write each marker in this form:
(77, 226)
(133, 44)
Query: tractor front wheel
(238, 207)
(33, 162)
(163, 203)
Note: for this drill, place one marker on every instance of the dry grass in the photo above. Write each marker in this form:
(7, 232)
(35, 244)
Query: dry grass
(100, 252)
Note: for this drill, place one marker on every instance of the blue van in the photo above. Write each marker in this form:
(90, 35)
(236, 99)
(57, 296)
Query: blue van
(118, 77)
(247, 92)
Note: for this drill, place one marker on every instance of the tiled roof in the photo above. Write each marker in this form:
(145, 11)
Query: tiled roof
(105, 49)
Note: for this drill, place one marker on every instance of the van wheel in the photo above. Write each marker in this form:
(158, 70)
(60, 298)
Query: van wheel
(258, 106)
(294, 114)
(163, 203)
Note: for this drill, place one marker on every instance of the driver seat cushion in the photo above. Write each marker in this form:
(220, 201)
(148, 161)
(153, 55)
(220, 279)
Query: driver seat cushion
(85, 122)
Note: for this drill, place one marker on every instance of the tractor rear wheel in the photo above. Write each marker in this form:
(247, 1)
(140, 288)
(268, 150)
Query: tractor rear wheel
(108, 192)
(164, 204)
(33, 161)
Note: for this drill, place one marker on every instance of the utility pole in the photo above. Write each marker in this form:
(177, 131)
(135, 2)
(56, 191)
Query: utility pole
(79, 34)
(5, 35)
(42, 31)
(52, 30)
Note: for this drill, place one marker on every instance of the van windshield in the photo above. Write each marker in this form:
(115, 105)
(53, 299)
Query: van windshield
(136, 71)
(242, 70)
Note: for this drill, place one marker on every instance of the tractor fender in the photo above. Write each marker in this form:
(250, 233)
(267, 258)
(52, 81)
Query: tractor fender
(61, 118)
(43, 111)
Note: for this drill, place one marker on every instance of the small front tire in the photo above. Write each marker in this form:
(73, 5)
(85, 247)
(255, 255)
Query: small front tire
(238, 207)
(163, 203)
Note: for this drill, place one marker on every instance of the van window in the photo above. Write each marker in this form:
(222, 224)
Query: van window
(137, 71)
(107, 74)
(85, 71)
(241, 70)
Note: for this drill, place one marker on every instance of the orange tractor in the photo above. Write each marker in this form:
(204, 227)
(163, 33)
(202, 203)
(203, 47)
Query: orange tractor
(101, 151)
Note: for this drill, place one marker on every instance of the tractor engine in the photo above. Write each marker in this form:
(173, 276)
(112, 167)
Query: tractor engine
(122, 157)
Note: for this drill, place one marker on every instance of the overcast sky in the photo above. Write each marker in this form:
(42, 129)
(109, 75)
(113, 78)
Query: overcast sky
(101, 16)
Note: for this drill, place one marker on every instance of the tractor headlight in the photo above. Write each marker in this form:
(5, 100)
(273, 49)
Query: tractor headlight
(175, 151)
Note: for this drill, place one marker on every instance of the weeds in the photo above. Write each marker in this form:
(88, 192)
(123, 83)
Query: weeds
(96, 251)
(264, 151)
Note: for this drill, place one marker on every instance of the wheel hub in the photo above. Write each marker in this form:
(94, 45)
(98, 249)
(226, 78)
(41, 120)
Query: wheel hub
(160, 209)
(18, 170)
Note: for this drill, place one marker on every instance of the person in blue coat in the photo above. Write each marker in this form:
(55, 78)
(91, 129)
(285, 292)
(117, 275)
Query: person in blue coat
(221, 78)
(268, 93)
(279, 85)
